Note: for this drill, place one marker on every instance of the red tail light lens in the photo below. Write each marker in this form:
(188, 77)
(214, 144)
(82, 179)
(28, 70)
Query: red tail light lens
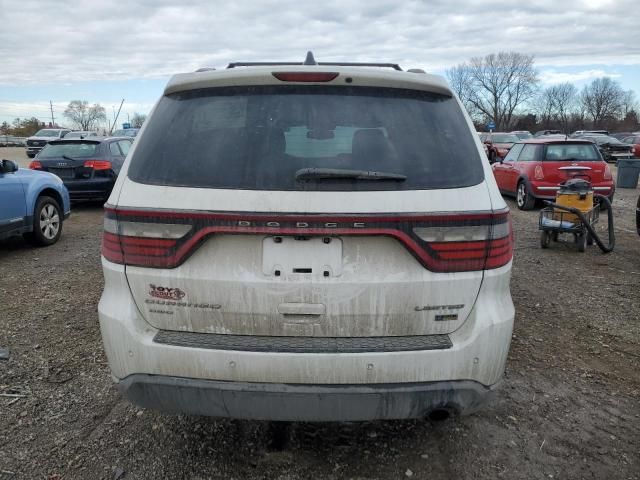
(305, 76)
(441, 243)
(98, 164)
(607, 173)
(35, 165)
(538, 173)
(141, 243)
(470, 247)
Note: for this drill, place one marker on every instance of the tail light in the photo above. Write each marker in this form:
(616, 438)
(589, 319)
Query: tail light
(441, 243)
(470, 246)
(607, 172)
(305, 76)
(35, 165)
(98, 164)
(538, 173)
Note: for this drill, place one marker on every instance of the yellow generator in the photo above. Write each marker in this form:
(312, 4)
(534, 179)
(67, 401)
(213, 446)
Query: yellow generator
(573, 213)
(574, 193)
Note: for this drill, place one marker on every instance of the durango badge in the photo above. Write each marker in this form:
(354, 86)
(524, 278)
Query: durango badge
(166, 292)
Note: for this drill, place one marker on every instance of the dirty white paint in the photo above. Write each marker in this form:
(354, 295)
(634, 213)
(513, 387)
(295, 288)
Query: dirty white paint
(479, 350)
(382, 290)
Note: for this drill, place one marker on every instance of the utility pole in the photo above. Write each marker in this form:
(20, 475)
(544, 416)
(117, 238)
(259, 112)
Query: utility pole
(53, 120)
(115, 120)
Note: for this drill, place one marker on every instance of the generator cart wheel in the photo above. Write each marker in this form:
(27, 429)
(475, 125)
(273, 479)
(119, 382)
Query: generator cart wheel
(589, 239)
(581, 241)
(545, 239)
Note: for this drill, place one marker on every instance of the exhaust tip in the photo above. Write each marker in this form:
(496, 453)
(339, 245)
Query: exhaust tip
(439, 415)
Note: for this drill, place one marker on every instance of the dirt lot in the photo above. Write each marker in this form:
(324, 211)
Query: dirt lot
(569, 407)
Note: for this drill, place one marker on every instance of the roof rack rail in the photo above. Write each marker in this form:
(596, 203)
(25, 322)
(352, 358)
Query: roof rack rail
(311, 61)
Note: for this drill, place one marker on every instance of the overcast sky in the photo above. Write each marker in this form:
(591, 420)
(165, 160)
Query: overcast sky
(106, 50)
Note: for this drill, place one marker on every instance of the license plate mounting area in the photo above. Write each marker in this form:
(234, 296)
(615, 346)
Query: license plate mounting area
(302, 256)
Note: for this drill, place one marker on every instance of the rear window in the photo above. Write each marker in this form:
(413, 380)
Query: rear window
(572, 152)
(258, 138)
(73, 150)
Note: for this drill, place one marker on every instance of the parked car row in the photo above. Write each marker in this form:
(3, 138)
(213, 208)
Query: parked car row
(612, 148)
(36, 142)
(12, 141)
(88, 166)
(34, 202)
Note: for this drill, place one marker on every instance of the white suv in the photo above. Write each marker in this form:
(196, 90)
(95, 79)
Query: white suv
(307, 242)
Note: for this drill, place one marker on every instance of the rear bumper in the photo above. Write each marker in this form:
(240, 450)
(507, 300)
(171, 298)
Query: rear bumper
(311, 403)
(315, 386)
(93, 189)
(549, 192)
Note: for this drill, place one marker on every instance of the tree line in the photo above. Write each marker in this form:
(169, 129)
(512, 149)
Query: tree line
(505, 88)
(80, 115)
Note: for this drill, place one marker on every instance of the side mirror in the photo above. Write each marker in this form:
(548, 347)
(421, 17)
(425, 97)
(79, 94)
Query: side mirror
(8, 166)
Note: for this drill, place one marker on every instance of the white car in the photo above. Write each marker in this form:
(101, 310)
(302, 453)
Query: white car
(37, 141)
(315, 242)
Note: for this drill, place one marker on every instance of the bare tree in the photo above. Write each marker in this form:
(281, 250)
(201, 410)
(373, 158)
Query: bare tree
(543, 106)
(138, 119)
(629, 103)
(83, 115)
(459, 78)
(496, 85)
(560, 100)
(602, 99)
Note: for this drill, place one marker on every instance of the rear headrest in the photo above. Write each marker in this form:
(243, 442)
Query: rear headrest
(371, 150)
(370, 138)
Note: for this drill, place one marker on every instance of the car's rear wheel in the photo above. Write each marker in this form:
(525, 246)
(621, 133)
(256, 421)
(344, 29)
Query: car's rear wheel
(524, 199)
(47, 222)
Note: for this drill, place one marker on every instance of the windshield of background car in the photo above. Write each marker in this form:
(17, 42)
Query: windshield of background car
(504, 138)
(572, 152)
(258, 138)
(523, 135)
(47, 133)
(72, 149)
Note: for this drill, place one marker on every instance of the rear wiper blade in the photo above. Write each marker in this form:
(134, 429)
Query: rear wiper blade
(337, 173)
(68, 158)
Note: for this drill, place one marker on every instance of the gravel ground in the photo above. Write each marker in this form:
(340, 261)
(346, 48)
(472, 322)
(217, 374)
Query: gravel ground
(569, 407)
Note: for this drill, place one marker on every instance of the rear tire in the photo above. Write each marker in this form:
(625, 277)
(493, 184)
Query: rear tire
(47, 222)
(524, 199)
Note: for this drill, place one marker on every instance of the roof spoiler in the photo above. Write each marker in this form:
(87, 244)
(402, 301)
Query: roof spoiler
(310, 60)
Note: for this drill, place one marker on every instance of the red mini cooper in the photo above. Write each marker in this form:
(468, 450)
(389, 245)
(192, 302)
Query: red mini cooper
(534, 169)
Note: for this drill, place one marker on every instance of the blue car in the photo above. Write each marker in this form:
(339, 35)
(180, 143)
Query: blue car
(33, 204)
